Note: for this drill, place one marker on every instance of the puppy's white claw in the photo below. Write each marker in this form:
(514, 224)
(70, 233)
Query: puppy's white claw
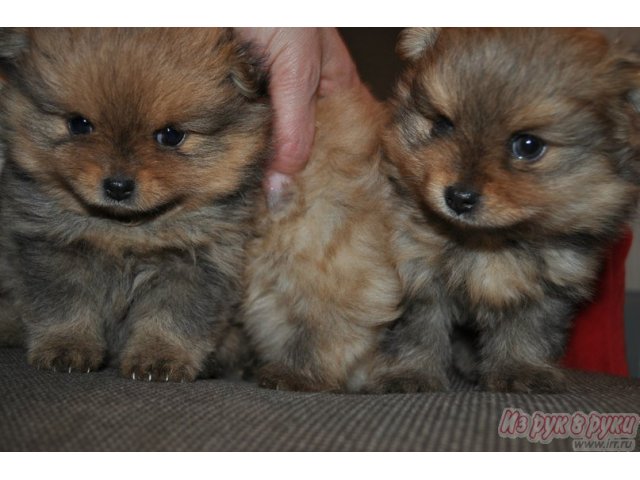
(133, 375)
(69, 369)
(166, 378)
(149, 377)
(88, 370)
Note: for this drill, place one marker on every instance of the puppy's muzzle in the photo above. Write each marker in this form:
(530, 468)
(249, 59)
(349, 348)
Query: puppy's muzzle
(119, 189)
(461, 199)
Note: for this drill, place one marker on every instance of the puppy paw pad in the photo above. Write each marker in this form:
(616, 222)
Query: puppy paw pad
(163, 369)
(66, 358)
(526, 379)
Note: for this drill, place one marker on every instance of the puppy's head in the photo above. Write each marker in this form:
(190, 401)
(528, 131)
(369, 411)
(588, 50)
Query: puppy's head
(130, 123)
(498, 128)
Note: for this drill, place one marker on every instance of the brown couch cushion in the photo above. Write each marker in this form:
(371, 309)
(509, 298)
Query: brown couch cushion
(100, 411)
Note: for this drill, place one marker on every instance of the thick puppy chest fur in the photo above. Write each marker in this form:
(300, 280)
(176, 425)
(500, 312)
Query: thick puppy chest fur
(321, 284)
(518, 175)
(140, 296)
(127, 197)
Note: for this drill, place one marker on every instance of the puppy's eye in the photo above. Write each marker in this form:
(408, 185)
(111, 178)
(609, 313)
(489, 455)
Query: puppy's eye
(441, 126)
(527, 147)
(169, 137)
(79, 125)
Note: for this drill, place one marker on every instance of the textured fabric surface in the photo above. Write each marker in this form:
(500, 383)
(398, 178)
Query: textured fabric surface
(101, 411)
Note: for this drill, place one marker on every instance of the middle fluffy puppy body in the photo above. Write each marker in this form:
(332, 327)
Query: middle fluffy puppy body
(321, 278)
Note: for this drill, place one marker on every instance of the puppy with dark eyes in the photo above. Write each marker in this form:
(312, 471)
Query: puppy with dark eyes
(133, 158)
(518, 154)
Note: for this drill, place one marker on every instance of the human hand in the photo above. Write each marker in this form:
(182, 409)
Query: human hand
(303, 64)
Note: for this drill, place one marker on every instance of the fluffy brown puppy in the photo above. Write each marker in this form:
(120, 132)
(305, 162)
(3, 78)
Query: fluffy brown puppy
(518, 151)
(321, 281)
(133, 157)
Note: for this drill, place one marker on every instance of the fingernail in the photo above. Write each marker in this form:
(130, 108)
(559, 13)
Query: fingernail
(277, 181)
(277, 185)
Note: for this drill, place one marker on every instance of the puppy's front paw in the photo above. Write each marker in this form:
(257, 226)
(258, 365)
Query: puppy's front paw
(407, 381)
(160, 362)
(525, 379)
(66, 355)
(277, 377)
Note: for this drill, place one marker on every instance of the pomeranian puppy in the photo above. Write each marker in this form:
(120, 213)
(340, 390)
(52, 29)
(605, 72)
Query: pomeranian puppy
(518, 154)
(321, 280)
(133, 158)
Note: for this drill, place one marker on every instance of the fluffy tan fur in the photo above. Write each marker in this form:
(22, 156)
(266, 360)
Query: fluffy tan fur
(321, 277)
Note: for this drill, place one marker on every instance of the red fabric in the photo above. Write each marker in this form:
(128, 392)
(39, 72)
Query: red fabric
(596, 343)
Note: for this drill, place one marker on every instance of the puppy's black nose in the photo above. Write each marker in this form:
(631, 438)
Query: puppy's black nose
(460, 199)
(119, 189)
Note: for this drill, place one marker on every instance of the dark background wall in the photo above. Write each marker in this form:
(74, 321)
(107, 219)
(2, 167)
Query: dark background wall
(373, 50)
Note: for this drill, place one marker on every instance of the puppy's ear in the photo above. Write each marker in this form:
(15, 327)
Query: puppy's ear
(13, 42)
(414, 42)
(248, 73)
